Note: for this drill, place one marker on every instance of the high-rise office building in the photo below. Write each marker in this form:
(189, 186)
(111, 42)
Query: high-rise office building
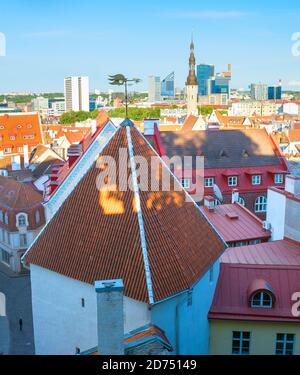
(274, 92)
(168, 86)
(220, 85)
(204, 74)
(259, 91)
(77, 93)
(154, 89)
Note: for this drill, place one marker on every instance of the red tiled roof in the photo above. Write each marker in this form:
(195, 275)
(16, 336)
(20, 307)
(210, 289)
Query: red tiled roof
(96, 235)
(246, 226)
(189, 123)
(294, 135)
(74, 136)
(17, 195)
(277, 263)
(20, 125)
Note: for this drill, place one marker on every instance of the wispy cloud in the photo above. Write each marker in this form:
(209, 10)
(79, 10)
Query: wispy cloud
(46, 34)
(294, 83)
(209, 14)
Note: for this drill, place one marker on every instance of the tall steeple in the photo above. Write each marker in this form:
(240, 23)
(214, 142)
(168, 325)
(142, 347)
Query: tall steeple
(192, 79)
(192, 84)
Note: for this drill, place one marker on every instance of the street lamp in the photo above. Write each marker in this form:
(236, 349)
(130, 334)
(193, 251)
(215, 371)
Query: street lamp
(120, 80)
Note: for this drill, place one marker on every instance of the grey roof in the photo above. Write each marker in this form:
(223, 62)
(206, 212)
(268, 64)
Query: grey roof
(223, 148)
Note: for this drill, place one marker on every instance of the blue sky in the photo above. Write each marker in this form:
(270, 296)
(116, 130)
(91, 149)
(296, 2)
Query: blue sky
(46, 41)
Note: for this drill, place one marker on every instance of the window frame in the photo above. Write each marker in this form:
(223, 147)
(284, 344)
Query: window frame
(285, 342)
(256, 179)
(241, 341)
(211, 179)
(232, 178)
(275, 178)
(261, 304)
(259, 206)
(183, 180)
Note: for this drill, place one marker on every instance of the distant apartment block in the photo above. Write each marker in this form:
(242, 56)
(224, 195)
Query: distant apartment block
(154, 89)
(259, 91)
(77, 93)
(254, 107)
(40, 103)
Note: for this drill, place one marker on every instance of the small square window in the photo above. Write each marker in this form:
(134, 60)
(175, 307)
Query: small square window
(232, 181)
(285, 343)
(278, 178)
(186, 183)
(256, 180)
(241, 342)
(209, 182)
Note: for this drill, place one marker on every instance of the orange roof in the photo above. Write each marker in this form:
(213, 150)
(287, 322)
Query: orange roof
(189, 122)
(17, 195)
(74, 137)
(294, 135)
(17, 130)
(96, 234)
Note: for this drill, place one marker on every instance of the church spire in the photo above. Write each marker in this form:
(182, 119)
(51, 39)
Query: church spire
(192, 79)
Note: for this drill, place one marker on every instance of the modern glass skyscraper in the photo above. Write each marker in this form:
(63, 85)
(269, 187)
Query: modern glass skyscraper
(204, 74)
(274, 92)
(220, 85)
(168, 86)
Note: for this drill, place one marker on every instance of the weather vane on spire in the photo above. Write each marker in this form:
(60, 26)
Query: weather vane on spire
(120, 80)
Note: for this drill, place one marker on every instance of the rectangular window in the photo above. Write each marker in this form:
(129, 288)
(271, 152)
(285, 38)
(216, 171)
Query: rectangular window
(7, 150)
(241, 342)
(186, 183)
(256, 180)
(23, 240)
(209, 182)
(232, 181)
(278, 178)
(285, 343)
(5, 256)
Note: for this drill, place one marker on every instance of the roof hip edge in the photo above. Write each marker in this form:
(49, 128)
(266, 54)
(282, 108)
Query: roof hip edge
(140, 216)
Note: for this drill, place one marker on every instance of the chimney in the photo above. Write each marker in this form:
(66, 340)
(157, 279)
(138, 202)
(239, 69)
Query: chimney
(110, 317)
(26, 155)
(149, 126)
(229, 67)
(74, 151)
(292, 184)
(234, 196)
(209, 202)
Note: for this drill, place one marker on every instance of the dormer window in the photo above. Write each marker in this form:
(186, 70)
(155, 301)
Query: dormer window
(37, 217)
(262, 299)
(21, 220)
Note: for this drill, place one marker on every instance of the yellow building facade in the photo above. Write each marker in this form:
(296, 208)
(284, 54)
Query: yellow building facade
(263, 335)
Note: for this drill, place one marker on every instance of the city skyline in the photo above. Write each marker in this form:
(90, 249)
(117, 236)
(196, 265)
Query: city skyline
(46, 43)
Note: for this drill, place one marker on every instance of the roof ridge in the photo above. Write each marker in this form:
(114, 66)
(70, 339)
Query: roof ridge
(140, 216)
